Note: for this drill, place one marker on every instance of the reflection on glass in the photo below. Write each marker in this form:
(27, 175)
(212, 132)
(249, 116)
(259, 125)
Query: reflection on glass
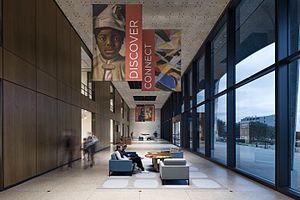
(255, 127)
(201, 128)
(294, 25)
(201, 80)
(190, 127)
(219, 60)
(253, 63)
(176, 133)
(295, 124)
(255, 37)
(190, 89)
(219, 143)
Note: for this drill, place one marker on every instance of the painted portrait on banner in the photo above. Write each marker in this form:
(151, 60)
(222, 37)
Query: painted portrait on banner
(109, 34)
(168, 60)
(144, 113)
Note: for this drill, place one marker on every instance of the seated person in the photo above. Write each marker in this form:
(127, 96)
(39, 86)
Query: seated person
(121, 155)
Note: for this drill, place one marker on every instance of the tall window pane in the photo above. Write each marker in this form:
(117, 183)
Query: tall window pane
(176, 132)
(201, 80)
(190, 89)
(295, 124)
(294, 22)
(255, 127)
(255, 37)
(219, 60)
(201, 128)
(219, 137)
(190, 129)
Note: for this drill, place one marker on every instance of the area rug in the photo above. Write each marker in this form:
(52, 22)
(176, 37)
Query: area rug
(151, 180)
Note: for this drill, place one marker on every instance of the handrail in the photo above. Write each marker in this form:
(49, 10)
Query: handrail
(86, 91)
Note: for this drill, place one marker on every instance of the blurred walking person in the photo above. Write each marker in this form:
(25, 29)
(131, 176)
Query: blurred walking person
(68, 142)
(91, 146)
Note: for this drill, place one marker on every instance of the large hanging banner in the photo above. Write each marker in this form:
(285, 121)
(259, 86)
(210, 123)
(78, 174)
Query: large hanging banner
(148, 82)
(144, 113)
(134, 34)
(109, 49)
(168, 61)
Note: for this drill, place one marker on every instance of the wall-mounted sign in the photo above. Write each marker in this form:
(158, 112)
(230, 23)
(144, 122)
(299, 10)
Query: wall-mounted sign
(144, 113)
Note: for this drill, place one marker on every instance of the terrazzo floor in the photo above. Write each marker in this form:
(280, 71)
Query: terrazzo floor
(208, 181)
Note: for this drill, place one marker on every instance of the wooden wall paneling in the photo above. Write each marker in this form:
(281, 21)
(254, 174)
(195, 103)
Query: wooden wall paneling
(19, 71)
(76, 127)
(63, 49)
(76, 60)
(46, 36)
(102, 97)
(93, 106)
(64, 92)
(19, 28)
(1, 60)
(1, 136)
(46, 84)
(84, 102)
(102, 131)
(46, 133)
(19, 128)
(64, 125)
(76, 97)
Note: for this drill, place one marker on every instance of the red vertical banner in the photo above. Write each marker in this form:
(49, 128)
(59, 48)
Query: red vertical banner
(133, 42)
(148, 82)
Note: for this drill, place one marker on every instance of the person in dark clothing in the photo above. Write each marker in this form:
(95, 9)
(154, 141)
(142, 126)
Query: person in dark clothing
(134, 157)
(68, 143)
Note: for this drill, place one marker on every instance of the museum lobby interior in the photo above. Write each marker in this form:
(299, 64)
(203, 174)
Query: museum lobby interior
(149, 99)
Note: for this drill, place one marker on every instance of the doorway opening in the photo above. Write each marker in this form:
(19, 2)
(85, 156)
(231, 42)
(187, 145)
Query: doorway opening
(86, 124)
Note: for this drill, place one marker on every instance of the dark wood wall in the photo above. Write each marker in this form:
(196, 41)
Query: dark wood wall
(40, 78)
(103, 113)
(40, 74)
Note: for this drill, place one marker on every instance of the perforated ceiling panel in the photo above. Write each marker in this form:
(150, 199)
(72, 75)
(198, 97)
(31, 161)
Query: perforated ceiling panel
(195, 17)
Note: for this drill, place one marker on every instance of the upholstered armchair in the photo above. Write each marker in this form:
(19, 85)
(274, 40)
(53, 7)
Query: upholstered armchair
(116, 165)
(174, 169)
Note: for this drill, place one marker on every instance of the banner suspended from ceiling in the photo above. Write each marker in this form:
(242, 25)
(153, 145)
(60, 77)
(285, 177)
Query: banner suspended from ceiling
(149, 63)
(113, 61)
(168, 60)
(144, 113)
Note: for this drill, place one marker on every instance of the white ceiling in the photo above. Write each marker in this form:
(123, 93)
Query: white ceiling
(195, 17)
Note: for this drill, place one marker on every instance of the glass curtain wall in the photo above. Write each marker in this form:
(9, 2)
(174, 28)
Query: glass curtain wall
(219, 136)
(189, 115)
(294, 94)
(219, 60)
(255, 132)
(219, 66)
(200, 116)
(262, 99)
(294, 124)
(200, 96)
(255, 37)
(255, 101)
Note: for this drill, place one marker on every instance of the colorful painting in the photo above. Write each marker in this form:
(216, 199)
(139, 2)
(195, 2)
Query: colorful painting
(144, 113)
(168, 60)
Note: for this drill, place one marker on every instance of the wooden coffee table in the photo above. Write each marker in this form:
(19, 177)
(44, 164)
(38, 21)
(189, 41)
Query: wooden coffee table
(155, 156)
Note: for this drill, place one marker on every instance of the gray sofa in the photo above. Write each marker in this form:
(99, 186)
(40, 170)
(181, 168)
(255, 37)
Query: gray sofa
(116, 165)
(174, 169)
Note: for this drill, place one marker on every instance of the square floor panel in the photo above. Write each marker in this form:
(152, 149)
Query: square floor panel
(197, 175)
(115, 183)
(205, 183)
(146, 175)
(145, 183)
